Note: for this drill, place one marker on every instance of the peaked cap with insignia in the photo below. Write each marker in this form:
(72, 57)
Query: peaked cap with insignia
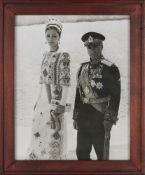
(94, 35)
(92, 38)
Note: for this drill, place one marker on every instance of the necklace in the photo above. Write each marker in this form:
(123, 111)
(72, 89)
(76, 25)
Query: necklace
(55, 49)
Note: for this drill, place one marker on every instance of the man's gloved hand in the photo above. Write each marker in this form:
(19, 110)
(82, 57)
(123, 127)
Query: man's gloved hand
(107, 125)
(111, 116)
(75, 124)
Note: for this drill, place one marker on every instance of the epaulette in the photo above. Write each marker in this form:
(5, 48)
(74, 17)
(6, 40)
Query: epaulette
(107, 62)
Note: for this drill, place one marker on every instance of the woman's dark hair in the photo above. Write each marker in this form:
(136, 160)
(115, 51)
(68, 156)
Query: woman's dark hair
(48, 28)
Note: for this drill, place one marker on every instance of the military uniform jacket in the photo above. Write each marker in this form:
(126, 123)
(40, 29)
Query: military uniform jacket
(98, 86)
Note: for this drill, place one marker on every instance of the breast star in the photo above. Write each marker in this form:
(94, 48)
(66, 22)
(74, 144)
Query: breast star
(99, 85)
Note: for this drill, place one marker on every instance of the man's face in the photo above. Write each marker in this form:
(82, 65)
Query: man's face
(94, 50)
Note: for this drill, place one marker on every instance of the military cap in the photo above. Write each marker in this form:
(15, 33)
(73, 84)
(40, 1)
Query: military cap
(92, 37)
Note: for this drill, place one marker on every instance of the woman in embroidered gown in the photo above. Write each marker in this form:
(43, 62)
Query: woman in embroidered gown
(48, 130)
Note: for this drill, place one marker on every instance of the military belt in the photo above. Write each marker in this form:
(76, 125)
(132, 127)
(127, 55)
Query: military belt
(95, 100)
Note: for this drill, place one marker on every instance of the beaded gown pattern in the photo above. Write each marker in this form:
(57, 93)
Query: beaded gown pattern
(55, 71)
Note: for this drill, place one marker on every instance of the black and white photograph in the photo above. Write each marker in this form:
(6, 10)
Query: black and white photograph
(72, 87)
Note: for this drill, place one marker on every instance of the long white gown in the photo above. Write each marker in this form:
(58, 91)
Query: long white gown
(55, 71)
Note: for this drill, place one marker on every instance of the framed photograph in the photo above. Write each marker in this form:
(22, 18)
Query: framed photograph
(72, 87)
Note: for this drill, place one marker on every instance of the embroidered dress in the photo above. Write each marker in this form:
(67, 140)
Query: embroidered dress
(55, 71)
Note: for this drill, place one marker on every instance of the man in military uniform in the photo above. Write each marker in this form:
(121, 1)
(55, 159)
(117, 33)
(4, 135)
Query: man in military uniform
(97, 100)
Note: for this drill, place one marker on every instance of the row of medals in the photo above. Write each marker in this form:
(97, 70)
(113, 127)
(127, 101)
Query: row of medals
(94, 73)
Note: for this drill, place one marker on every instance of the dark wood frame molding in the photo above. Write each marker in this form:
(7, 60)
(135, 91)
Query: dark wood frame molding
(136, 10)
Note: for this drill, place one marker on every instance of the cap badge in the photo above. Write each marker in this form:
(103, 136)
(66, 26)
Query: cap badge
(90, 39)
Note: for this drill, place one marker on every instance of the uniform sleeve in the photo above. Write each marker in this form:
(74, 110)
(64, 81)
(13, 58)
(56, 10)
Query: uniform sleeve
(64, 78)
(76, 105)
(114, 88)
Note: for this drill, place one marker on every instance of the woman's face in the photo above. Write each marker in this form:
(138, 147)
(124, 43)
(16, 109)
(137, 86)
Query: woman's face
(52, 37)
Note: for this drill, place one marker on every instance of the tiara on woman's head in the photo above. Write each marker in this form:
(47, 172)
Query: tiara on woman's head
(54, 23)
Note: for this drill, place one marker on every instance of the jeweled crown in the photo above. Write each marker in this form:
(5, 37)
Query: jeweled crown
(52, 22)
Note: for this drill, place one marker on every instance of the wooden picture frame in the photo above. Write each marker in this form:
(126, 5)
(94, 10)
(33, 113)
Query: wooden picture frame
(136, 10)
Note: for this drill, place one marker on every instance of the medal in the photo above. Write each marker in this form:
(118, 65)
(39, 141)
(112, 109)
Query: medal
(98, 76)
(86, 100)
(99, 85)
(86, 90)
(93, 84)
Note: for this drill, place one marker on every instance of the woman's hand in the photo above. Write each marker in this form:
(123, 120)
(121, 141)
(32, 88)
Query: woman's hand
(56, 135)
(56, 113)
(60, 109)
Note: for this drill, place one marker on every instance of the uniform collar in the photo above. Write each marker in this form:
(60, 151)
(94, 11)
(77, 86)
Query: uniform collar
(96, 61)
